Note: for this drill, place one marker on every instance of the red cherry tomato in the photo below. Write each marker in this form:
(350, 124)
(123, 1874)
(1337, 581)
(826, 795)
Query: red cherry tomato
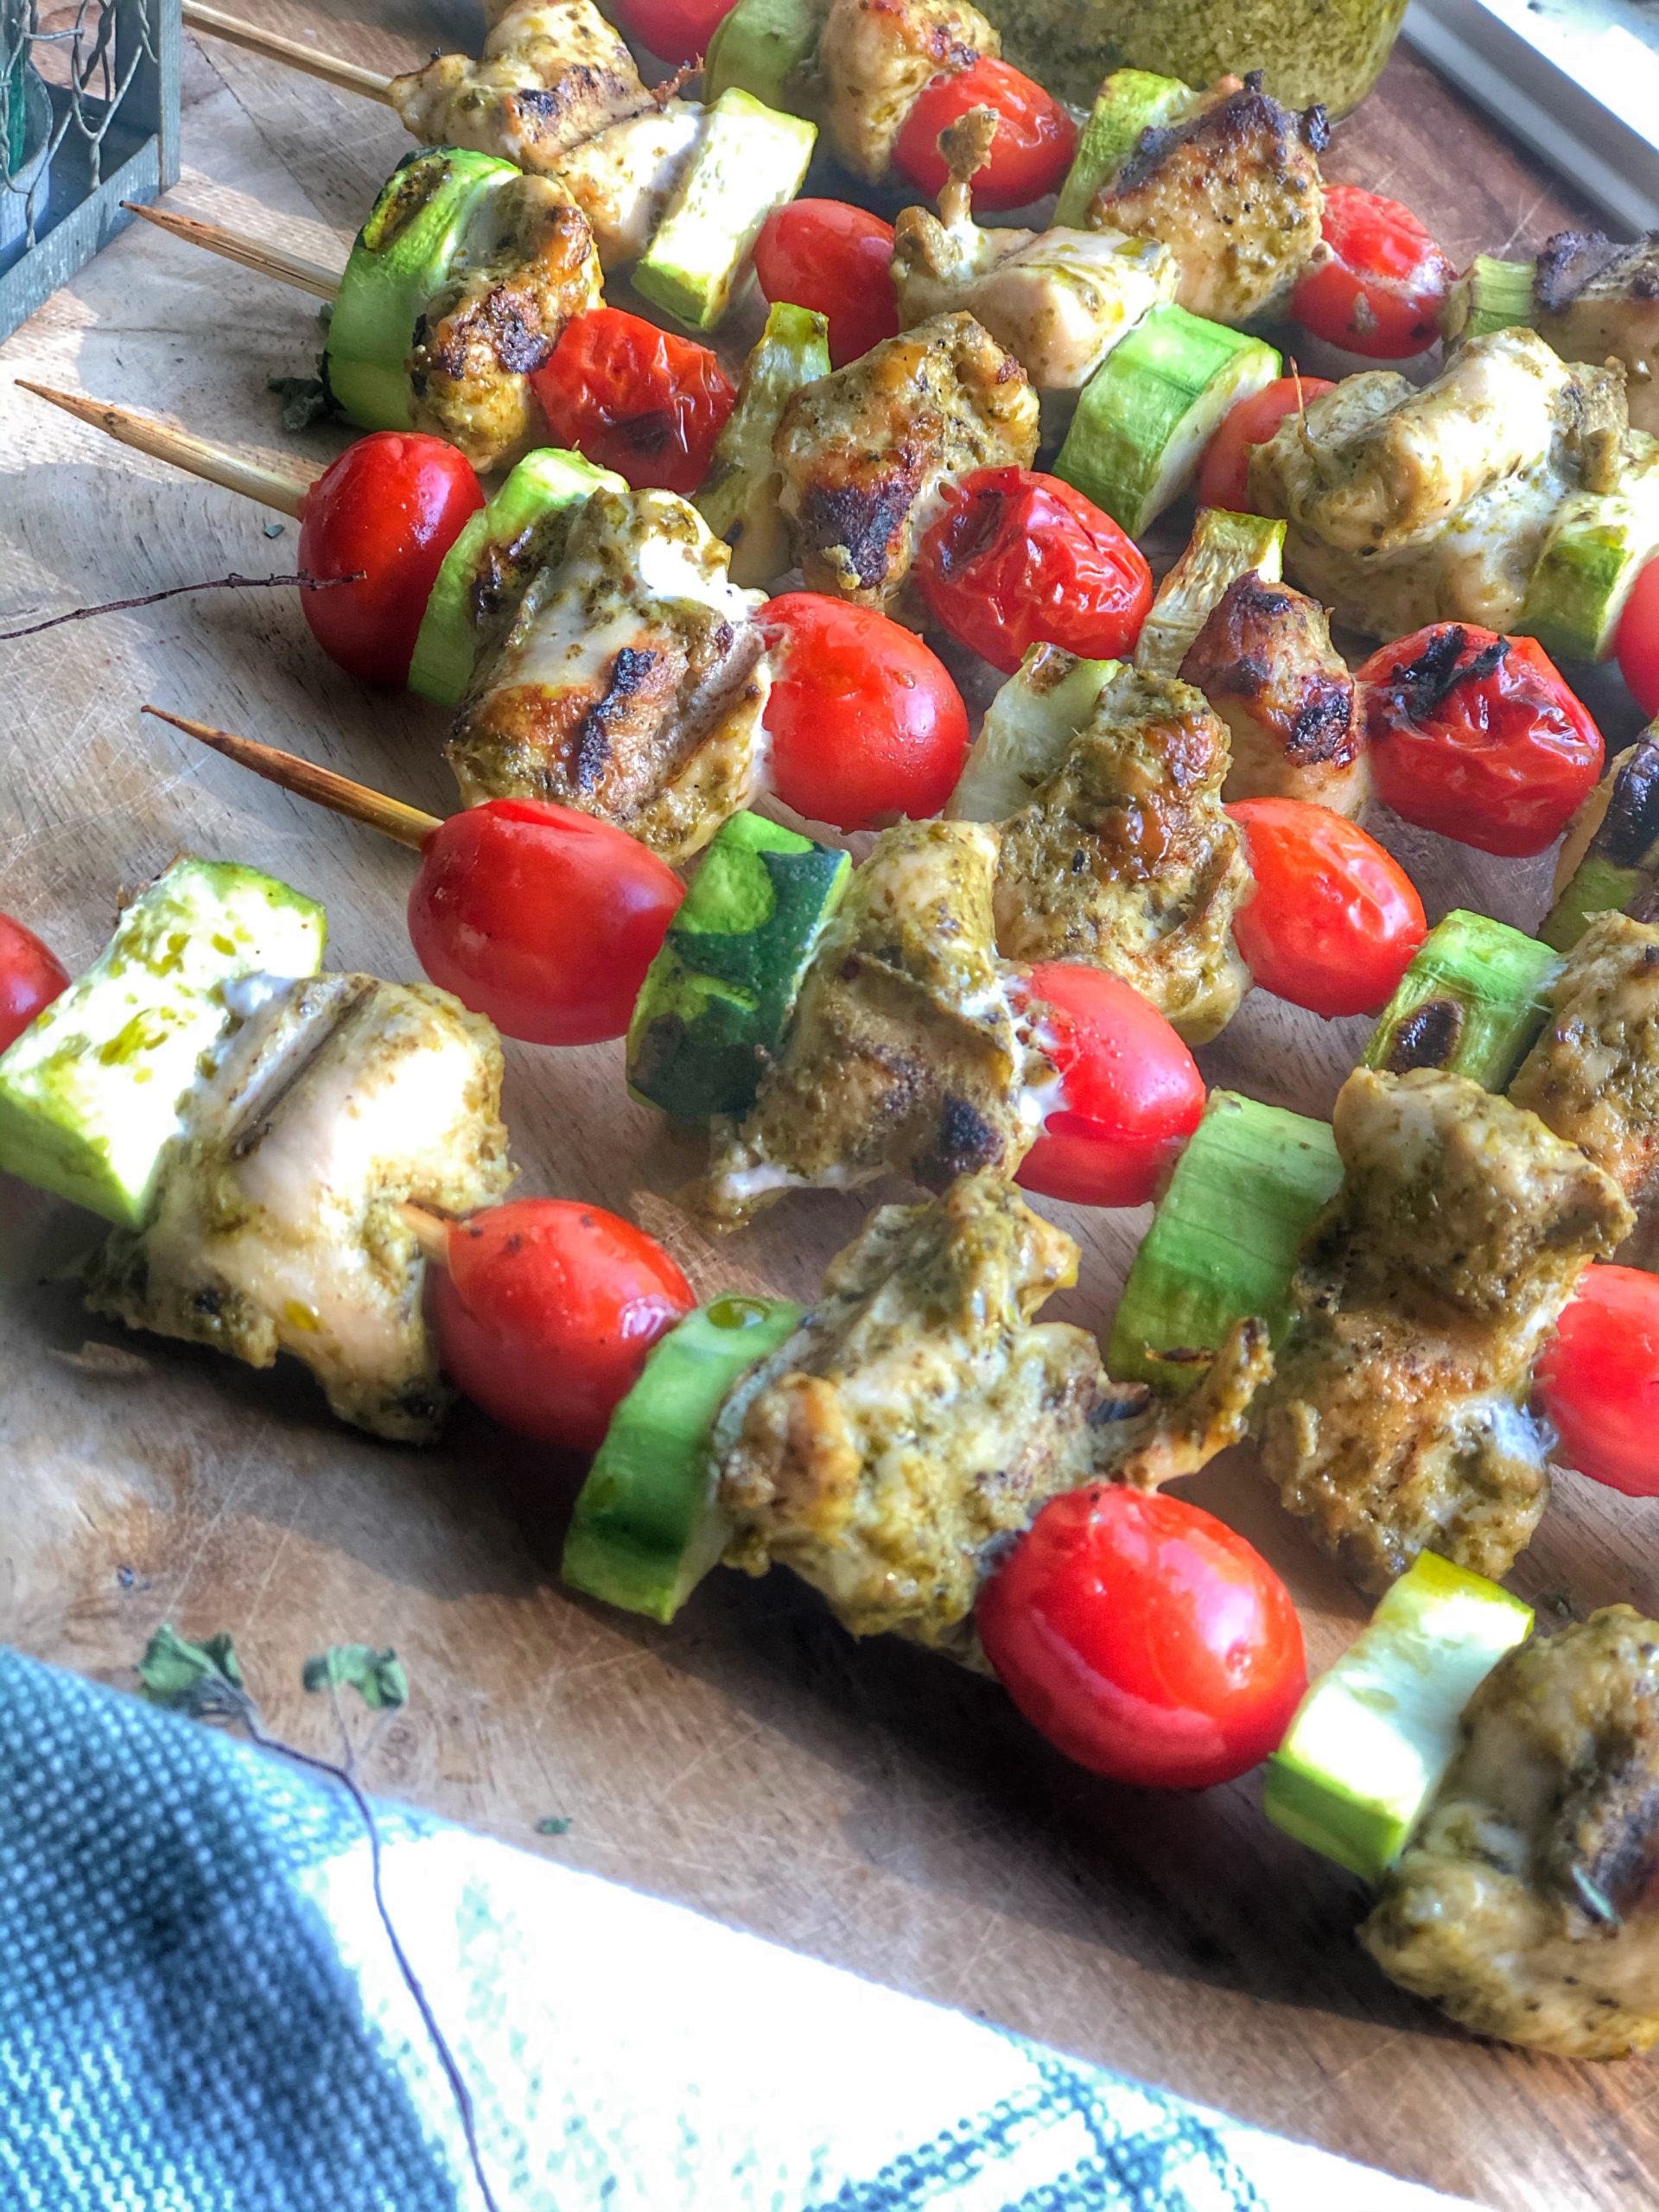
(1224, 476)
(1334, 920)
(1020, 559)
(544, 1312)
(31, 978)
(1599, 1380)
(1479, 736)
(865, 722)
(1032, 151)
(674, 30)
(1145, 1639)
(1637, 643)
(541, 917)
(635, 398)
(1130, 1092)
(389, 508)
(837, 259)
(1379, 280)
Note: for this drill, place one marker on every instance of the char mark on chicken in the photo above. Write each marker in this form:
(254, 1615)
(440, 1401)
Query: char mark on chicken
(1594, 300)
(552, 73)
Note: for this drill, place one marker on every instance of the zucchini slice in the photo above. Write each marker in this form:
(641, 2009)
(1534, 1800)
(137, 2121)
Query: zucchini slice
(1491, 296)
(739, 499)
(1473, 1002)
(1224, 547)
(758, 47)
(1611, 853)
(749, 160)
(1596, 544)
(1129, 102)
(1027, 732)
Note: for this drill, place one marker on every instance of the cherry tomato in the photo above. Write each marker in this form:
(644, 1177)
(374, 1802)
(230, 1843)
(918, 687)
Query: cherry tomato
(1479, 736)
(1379, 280)
(674, 30)
(1599, 1380)
(544, 1311)
(1637, 643)
(1225, 475)
(1145, 1639)
(1333, 920)
(635, 398)
(541, 917)
(389, 508)
(1130, 1092)
(1020, 559)
(31, 978)
(837, 259)
(1032, 151)
(865, 722)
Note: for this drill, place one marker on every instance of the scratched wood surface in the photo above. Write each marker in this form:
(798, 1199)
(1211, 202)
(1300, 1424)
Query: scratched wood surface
(867, 1804)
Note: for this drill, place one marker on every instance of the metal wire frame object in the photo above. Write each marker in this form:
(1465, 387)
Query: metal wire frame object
(89, 117)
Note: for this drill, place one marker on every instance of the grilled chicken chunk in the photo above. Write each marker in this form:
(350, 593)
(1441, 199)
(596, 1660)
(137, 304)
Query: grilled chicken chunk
(873, 58)
(904, 1054)
(623, 178)
(632, 683)
(1526, 1901)
(1265, 662)
(921, 1413)
(276, 1227)
(1596, 300)
(864, 454)
(1233, 189)
(482, 334)
(1126, 858)
(1397, 1419)
(552, 72)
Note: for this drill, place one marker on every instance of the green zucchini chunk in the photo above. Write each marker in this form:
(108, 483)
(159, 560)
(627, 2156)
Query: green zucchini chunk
(648, 1527)
(749, 160)
(1224, 1241)
(477, 590)
(1491, 295)
(758, 46)
(1131, 103)
(429, 212)
(1595, 548)
(1146, 416)
(716, 1000)
(1471, 1003)
(1224, 547)
(1369, 1742)
(1617, 868)
(90, 1093)
(739, 499)
(1027, 731)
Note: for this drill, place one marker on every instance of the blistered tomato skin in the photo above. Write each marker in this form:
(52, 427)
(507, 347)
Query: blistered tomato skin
(541, 917)
(630, 397)
(544, 1311)
(31, 976)
(1333, 920)
(1030, 154)
(836, 259)
(385, 512)
(1598, 1381)
(1145, 1639)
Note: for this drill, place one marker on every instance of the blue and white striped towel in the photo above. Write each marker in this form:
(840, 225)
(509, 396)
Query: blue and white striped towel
(200, 2012)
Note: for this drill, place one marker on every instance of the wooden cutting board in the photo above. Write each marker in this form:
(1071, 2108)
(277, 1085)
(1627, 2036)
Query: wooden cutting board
(867, 1804)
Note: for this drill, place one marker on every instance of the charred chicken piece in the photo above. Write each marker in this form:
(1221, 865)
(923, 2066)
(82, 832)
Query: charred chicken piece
(1265, 662)
(630, 684)
(480, 337)
(1233, 189)
(921, 1413)
(864, 454)
(1397, 1419)
(276, 1227)
(873, 58)
(1594, 300)
(1526, 1901)
(1126, 858)
(904, 1054)
(552, 73)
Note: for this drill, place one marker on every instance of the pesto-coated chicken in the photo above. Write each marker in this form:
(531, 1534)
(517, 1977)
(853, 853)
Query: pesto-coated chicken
(904, 1055)
(1596, 300)
(1527, 1902)
(1233, 189)
(1397, 1419)
(873, 57)
(921, 1414)
(1126, 858)
(864, 454)
(278, 1226)
(552, 72)
(630, 684)
(499, 318)
(1265, 662)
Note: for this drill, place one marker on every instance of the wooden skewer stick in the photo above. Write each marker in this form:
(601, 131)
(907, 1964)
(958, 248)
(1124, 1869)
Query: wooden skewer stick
(407, 824)
(284, 489)
(236, 246)
(345, 76)
(430, 1231)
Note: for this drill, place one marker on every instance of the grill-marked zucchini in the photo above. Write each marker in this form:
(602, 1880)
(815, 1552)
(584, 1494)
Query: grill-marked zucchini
(1224, 547)
(739, 499)
(1472, 1002)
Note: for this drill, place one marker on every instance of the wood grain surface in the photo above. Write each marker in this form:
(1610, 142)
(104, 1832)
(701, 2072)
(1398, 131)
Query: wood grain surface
(867, 1804)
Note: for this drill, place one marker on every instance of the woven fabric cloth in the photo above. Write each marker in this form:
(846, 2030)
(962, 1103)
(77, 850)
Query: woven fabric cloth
(200, 2012)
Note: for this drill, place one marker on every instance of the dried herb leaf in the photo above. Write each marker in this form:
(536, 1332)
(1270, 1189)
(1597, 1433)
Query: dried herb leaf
(553, 1825)
(377, 1676)
(305, 400)
(204, 1680)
